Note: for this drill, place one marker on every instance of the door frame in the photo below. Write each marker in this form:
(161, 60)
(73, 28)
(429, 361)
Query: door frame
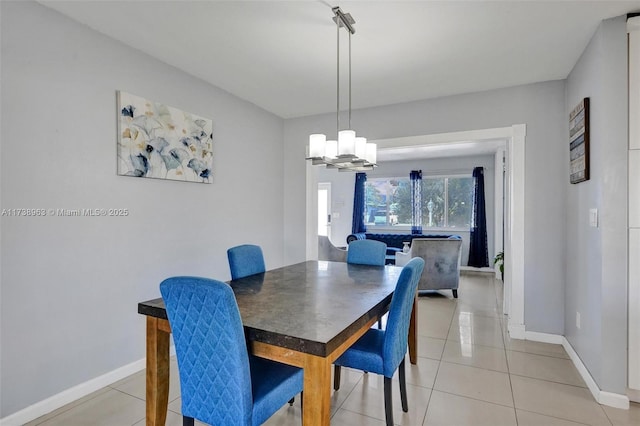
(327, 186)
(515, 137)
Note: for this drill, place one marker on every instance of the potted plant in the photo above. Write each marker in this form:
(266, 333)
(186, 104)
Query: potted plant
(499, 260)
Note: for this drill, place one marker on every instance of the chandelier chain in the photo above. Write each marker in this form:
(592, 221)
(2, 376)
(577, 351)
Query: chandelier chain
(349, 79)
(337, 78)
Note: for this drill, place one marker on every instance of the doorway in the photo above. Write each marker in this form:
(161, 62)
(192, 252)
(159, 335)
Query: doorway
(324, 209)
(513, 215)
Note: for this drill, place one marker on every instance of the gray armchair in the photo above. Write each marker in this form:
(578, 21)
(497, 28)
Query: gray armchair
(442, 263)
(327, 251)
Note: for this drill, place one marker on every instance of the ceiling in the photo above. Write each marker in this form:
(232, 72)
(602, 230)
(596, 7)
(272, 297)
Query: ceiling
(281, 55)
(461, 148)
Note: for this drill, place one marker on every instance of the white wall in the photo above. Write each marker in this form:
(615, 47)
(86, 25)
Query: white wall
(342, 187)
(540, 106)
(596, 269)
(70, 285)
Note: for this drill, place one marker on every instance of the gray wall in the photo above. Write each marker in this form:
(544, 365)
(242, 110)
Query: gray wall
(540, 106)
(342, 187)
(70, 285)
(597, 257)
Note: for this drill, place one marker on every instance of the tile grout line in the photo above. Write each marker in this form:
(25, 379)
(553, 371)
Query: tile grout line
(506, 358)
(435, 378)
(347, 397)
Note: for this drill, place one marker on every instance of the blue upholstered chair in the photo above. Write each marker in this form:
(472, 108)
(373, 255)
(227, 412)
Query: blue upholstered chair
(221, 384)
(382, 351)
(367, 252)
(245, 260)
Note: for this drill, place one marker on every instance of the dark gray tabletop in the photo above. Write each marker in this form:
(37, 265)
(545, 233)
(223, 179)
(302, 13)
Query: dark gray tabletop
(310, 307)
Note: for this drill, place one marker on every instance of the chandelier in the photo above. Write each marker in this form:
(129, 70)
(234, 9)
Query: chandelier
(349, 152)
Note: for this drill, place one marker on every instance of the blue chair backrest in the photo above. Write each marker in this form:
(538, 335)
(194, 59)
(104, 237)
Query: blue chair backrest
(397, 329)
(367, 252)
(215, 380)
(245, 260)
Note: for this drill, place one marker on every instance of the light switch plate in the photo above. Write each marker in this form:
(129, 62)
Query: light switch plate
(593, 218)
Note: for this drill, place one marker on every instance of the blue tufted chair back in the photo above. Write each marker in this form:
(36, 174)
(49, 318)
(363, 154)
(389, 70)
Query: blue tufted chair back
(397, 330)
(367, 252)
(245, 260)
(213, 362)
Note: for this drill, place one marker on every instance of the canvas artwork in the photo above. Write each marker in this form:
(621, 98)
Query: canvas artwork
(579, 142)
(159, 141)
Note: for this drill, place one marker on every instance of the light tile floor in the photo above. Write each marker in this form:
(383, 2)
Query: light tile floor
(469, 373)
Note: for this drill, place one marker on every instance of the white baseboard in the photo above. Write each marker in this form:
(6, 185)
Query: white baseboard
(516, 331)
(602, 397)
(634, 395)
(65, 397)
(474, 269)
(556, 339)
(614, 400)
(605, 398)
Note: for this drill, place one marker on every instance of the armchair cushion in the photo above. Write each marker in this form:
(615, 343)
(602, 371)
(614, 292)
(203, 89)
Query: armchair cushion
(442, 262)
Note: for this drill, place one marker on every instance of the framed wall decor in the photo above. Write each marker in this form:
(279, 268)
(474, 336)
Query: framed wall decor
(579, 142)
(163, 142)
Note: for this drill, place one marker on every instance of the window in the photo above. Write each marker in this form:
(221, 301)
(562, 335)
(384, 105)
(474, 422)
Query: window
(446, 202)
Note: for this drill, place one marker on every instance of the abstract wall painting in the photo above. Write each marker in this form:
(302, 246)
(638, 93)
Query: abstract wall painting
(162, 142)
(579, 142)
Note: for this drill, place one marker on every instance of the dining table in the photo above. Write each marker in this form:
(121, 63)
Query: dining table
(306, 315)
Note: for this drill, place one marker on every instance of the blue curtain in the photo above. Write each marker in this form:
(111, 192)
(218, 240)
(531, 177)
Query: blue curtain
(478, 252)
(416, 197)
(358, 204)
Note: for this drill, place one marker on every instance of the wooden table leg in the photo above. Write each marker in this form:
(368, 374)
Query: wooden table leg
(157, 394)
(317, 391)
(413, 332)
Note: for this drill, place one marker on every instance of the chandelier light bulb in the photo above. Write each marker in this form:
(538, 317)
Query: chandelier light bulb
(347, 142)
(317, 143)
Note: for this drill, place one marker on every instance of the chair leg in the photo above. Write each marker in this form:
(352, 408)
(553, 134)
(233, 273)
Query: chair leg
(455, 293)
(336, 377)
(187, 421)
(388, 404)
(380, 323)
(403, 387)
(292, 400)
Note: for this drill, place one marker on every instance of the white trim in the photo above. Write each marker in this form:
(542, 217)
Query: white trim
(517, 331)
(441, 138)
(602, 397)
(514, 240)
(65, 397)
(514, 234)
(614, 400)
(534, 336)
(605, 398)
(633, 197)
(634, 395)
(498, 220)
